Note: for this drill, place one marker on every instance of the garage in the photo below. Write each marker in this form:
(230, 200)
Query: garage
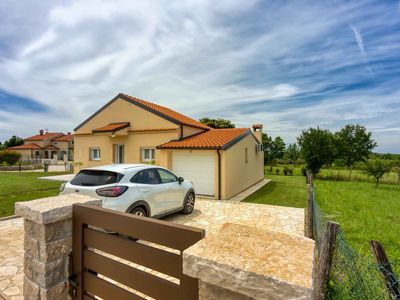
(198, 167)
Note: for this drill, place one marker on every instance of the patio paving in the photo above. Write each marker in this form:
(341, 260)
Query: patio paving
(11, 258)
(209, 215)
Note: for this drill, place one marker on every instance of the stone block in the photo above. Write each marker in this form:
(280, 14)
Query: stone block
(209, 291)
(31, 290)
(49, 232)
(51, 209)
(261, 264)
(59, 291)
(45, 275)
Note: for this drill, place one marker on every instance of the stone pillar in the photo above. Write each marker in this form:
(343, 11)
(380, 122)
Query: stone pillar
(241, 263)
(47, 244)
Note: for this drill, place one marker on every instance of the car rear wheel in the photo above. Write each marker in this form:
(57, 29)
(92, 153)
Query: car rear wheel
(188, 204)
(139, 211)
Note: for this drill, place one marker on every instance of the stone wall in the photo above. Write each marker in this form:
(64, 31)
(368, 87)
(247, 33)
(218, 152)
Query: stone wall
(47, 244)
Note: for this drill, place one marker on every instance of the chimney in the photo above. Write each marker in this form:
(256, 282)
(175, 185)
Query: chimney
(41, 131)
(257, 130)
(68, 133)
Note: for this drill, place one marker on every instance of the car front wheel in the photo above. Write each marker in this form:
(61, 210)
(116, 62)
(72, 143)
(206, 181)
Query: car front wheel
(188, 204)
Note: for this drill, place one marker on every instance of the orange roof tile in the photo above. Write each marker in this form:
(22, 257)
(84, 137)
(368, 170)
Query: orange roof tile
(64, 138)
(25, 146)
(45, 136)
(112, 127)
(166, 112)
(212, 139)
(153, 130)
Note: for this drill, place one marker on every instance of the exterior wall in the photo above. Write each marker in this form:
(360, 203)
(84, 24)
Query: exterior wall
(132, 145)
(237, 175)
(188, 131)
(123, 111)
(25, 153)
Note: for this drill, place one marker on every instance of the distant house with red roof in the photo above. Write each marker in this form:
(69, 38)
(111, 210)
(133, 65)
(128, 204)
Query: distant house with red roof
(220, 162)
(46, 145)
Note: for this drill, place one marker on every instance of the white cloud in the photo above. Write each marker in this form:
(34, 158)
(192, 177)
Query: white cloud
(198, 57)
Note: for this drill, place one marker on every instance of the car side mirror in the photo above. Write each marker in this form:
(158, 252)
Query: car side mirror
(180, 180)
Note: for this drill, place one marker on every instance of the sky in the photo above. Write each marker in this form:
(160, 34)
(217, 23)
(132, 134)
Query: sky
(289, 65)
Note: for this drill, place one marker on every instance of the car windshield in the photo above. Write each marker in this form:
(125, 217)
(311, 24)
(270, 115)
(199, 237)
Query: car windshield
(95, 178)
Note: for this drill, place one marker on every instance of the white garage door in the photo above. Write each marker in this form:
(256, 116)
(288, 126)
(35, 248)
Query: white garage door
(198, 167)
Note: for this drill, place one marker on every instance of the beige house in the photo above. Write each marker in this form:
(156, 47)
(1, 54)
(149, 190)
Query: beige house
(46, 145)
(220, 162)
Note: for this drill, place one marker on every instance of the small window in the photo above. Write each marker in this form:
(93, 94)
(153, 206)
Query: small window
(246, 155)
(148, 176)
(37, 153)
(166, 176)
(94, 153)
(148, 154)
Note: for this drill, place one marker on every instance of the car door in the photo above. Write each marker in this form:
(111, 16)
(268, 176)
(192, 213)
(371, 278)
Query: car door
(148, 183)
(173, 190)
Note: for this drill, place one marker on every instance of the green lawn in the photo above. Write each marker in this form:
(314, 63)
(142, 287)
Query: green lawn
(24, 186)
(363, 211)
(339, 174)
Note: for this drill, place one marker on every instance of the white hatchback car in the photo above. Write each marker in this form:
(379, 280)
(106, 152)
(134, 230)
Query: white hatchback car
(143, 190)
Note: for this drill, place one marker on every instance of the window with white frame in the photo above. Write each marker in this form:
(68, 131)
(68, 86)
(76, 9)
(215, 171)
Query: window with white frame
(94, 153)
(148, 154)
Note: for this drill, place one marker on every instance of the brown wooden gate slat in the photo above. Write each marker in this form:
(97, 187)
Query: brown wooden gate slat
(165, 233)
(105, 289)
(136, 279)
(106, 256)
(156, 259)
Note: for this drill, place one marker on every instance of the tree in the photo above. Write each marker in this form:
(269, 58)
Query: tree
(217, 123)
(13, 141)
(273, 149)
(293, 153)
(377, 168)
(316, 147)
(354, 144)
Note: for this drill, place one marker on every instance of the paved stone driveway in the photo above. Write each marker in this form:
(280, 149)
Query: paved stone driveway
(11, 258)
(209, 214)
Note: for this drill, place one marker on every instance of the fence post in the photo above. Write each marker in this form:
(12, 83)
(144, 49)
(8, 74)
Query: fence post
(324, 261)
(391, 283)
(310, 212)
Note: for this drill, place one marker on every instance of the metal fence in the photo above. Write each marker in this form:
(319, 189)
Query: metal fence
(353, 275)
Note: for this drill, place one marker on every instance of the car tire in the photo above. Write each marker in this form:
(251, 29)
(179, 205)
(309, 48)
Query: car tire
(188, 204)
(139, 211)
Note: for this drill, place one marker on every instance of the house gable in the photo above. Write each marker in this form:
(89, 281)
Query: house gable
(120, 110)
(162, 112)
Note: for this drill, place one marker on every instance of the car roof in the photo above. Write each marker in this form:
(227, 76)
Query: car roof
(120, 168)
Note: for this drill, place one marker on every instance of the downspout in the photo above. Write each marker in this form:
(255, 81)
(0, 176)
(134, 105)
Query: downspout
(219, 175)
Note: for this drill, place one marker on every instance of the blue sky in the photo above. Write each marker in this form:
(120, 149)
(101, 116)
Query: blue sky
(287, 64)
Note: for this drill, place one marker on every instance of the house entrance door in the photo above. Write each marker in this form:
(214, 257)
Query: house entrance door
(119, 152)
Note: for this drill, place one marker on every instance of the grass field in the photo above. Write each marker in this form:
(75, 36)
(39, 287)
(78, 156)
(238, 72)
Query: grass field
(363, 211)
(339, 174)
(24, 186)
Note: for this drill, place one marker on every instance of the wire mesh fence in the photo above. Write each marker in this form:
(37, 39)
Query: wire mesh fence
(354, 275)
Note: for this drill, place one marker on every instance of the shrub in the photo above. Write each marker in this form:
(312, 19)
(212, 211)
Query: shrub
(11, 157)
(290, 170)
(303, 171)
(277, 171)
(1, 157)
(285, 170)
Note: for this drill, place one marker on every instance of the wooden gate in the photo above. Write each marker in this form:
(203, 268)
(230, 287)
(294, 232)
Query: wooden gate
(121, 256)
